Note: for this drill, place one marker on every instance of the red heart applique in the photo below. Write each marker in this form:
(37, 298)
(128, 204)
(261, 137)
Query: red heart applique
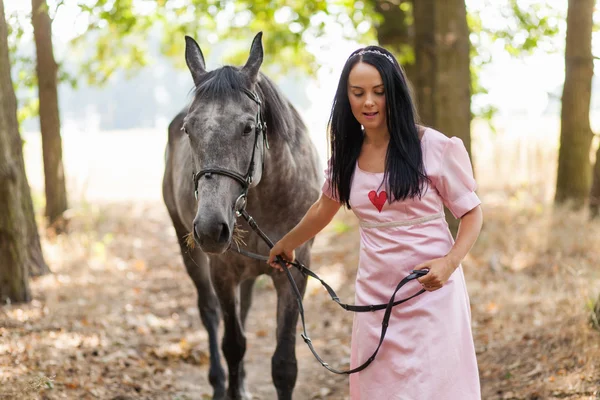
(378, 200)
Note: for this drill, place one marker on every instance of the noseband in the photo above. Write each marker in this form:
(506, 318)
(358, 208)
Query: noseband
(244, 180)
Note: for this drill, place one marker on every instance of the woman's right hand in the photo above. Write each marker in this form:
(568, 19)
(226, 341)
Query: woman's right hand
(280, 249)
(315, 219)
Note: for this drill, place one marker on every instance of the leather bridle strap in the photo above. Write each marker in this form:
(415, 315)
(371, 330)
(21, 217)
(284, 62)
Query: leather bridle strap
(244, 180)
(220, 171)
(388, 307)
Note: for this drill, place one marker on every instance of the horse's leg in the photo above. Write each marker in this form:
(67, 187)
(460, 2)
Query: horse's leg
(246, 289)
(284, 368)
(246, 298)
(198, 268)
(234, 337)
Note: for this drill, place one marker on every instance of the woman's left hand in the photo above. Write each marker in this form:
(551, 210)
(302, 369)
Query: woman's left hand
(440, 270)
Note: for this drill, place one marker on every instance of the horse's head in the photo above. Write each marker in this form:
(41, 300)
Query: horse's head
(225, 129)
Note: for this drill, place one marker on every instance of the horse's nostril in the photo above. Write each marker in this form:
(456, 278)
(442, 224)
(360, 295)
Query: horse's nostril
(224, 236)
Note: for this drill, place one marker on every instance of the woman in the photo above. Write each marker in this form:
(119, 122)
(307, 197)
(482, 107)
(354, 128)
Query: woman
(397, 176)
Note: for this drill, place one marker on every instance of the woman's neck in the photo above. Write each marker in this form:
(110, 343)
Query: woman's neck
(378, 138)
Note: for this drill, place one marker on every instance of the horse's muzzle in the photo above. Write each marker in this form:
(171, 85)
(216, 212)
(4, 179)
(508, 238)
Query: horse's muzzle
(213, 237)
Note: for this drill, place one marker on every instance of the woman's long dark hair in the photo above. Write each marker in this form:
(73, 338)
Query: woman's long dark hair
(404, 170)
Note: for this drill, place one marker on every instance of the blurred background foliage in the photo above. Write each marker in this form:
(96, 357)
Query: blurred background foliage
(114, 35)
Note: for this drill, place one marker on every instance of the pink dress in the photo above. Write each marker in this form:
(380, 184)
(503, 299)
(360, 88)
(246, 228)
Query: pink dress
(428, 352)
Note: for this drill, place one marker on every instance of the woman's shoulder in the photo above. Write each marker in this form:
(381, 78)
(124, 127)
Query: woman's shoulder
(437, 147)
(436, 142)
(435, 137)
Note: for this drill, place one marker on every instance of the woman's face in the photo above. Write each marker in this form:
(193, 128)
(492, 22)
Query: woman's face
(367, 96)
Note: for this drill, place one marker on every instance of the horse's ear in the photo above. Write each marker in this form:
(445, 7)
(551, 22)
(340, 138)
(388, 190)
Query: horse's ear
(255, 59)
(194, 59)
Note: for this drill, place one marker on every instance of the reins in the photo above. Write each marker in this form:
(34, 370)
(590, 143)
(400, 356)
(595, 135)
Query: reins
(240, 210)
(349, 307)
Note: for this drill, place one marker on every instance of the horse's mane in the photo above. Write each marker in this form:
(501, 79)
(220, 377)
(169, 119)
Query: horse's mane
(228, 83)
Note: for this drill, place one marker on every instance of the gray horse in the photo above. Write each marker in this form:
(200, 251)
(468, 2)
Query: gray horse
(217, 150)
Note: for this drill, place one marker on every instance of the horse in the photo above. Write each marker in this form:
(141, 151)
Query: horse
(239, 144)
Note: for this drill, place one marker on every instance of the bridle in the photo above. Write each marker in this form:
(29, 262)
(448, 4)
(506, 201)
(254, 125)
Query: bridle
(240, 210)
(247, 179)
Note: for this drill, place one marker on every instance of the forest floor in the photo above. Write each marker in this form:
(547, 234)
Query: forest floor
(117, 319)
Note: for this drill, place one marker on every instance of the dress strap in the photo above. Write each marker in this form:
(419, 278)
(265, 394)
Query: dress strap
(408, 222)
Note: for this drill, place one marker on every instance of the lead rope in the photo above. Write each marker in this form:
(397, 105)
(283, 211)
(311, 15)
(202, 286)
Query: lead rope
(388, 306)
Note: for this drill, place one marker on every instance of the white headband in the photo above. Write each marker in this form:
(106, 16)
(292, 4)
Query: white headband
(376, 52)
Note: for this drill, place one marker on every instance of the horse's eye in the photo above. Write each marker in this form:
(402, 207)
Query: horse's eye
(183, 128)
(248, 129)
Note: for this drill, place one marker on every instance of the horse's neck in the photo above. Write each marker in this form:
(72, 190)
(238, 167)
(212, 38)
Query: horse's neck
(288, 166)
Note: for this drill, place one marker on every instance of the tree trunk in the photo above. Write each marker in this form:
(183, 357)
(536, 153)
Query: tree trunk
(37, 264)
(443, 84)
(574, 172)
(443, 76)
(595, 190)
(14, 274)
(396, 32)
(426, 54)
(56, 195)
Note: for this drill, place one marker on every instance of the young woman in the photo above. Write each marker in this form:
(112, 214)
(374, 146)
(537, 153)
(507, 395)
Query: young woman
(397, 176)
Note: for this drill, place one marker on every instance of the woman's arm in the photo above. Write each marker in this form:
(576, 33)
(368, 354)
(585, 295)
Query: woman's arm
(440, 269)
(316, 218)
(468, 232)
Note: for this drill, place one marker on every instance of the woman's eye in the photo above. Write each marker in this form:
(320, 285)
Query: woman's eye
(358, 94)
(380, 93)
(247, 129)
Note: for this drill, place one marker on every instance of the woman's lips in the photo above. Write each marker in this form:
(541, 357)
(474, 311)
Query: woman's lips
(370, 115)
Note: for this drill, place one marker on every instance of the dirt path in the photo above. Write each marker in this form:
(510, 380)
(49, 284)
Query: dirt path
(118, 318)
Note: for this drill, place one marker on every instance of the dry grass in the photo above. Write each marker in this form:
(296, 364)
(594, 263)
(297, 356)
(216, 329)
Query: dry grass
(237, 237)
(533, 279)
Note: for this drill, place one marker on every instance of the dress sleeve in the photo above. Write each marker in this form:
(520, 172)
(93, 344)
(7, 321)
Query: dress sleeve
(456, 183)
(327, 189)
